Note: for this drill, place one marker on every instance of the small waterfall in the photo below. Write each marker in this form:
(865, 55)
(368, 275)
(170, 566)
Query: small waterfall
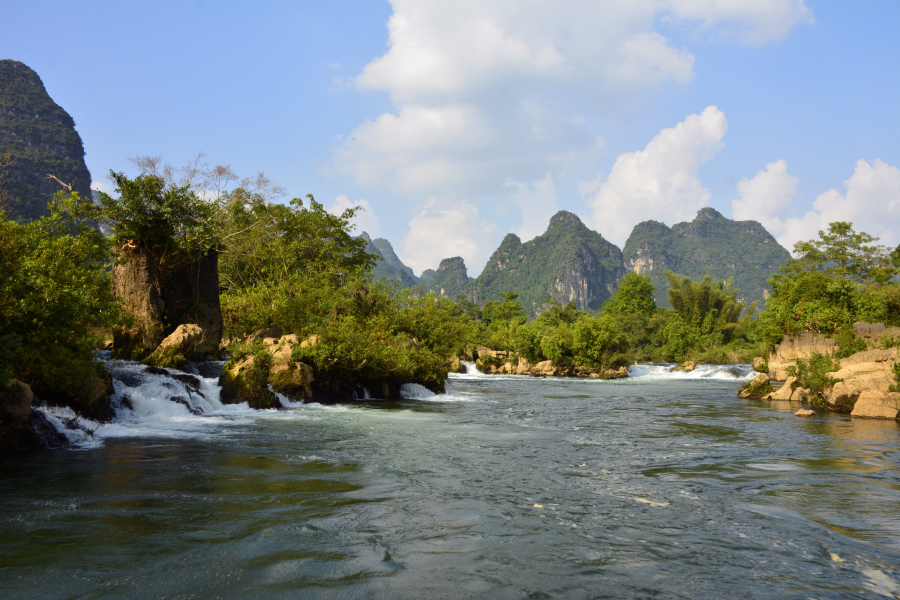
(666, 371)
(471, 369)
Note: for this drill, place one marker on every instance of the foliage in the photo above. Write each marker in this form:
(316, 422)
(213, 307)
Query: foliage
(844, 254)
(709, 245)
(42, 137)
(54, 298)
(811, 375)
(533, 268)
(268, 243)
(388, 265)
(836, 281)
(634, 296)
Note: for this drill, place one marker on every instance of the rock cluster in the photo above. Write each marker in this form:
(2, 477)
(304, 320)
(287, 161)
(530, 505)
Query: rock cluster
(289, 378)
(795, 347)
(499, 362)
(756, 388)
(864, 389)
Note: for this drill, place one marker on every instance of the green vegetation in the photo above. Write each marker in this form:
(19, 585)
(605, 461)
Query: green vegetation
(568, 260)
(388, 265)
(709, 245)
(451, 278)
(54, 304)
(811, 375)
(835, 281)
(42, 138)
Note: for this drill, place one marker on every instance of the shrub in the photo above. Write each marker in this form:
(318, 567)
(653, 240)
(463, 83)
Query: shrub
(811, 375)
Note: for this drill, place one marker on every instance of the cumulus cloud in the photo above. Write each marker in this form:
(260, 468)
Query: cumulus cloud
(439, 231)
(537, 202)
(767, 197)
(365, 219)
(871, 202)
(659, 182)
(101, 186)
(488, 92)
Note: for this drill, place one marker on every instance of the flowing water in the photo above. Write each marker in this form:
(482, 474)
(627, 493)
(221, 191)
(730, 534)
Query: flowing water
(660, 485)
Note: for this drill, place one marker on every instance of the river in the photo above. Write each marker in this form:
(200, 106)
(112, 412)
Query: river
(661, 485)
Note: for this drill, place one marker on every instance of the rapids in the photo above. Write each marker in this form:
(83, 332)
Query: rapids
(660, 485)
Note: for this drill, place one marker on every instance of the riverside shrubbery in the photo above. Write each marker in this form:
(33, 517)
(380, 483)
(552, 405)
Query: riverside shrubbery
(55, 302)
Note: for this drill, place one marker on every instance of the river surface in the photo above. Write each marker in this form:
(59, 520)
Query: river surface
(662, 485)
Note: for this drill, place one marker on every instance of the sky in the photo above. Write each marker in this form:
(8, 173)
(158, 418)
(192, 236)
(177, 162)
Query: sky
(453, 124)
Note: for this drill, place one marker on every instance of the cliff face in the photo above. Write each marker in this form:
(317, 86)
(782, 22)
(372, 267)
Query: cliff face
(389, 265)
(569, 262)
(451, 278)
(708, 245)
(42, 138)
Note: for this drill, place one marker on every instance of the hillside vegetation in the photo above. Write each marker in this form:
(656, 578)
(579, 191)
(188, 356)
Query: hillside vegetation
(709, 245)
(41, 138)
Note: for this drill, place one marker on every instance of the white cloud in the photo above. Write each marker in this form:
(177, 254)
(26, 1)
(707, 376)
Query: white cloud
(753, 22)
(659, 182)
(102, 186)
(537, 202)
(871, 203)
(487, 92)
(442, 230)
(365, 219)
(767, 197)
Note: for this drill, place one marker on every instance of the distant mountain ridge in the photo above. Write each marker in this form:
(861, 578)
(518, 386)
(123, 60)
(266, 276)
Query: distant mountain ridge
(388, 265)
(569, 263)
(42, 138)
(709, 245)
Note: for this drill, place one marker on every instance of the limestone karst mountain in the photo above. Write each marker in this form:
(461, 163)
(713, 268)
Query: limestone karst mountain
(709, 245)
(451, 278)
(389, 266)
(569, 262)
(41, 136)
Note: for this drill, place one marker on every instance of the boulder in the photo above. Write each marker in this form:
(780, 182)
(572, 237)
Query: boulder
(456, 365)
(873, 404)
(177, 348)
(686, 366)
(756, 388)
(262, 334)
(805, 412)
(290, 378)
(16, 423)
(800, 395)
(868, 371)
(783, 393)
(791, 348)
(160, 301)
(15, 401)
(759, 365)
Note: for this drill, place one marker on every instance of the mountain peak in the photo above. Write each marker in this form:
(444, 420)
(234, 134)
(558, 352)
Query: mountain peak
(564, 218)
(707, 212)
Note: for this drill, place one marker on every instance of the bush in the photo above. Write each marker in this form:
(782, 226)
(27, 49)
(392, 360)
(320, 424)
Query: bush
(811, 375)
(55, 302)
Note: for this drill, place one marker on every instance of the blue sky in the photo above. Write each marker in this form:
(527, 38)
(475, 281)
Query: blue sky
(457, 123)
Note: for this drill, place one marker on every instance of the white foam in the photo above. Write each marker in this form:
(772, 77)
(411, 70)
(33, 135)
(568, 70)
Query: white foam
(651, 371)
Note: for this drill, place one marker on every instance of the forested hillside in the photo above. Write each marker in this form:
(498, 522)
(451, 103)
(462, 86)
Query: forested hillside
(40, 136)
(569, 263)
(708, 245)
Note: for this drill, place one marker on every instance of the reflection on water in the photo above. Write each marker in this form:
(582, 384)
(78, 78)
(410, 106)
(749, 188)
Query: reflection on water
(510, 487)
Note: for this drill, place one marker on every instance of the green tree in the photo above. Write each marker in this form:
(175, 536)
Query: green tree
(54, 302)
(842, 252)
(633, 296)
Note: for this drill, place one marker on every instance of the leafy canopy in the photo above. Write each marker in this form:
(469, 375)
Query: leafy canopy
(842, 252)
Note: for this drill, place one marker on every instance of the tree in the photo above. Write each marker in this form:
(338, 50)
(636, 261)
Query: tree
(842, 252)
(633, 296)
(708, 307)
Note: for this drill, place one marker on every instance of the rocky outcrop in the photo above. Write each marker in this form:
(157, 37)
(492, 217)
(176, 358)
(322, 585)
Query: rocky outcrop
(499, 362)
(451, 278)
(756, 388)
(42, 137)
(248, 378)
(868, 377)
(161, 301)
(686, 366)
(177, 348)
(795, 347)
(784, 393)
(875, 333)
(16, 430)
(760, 364)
